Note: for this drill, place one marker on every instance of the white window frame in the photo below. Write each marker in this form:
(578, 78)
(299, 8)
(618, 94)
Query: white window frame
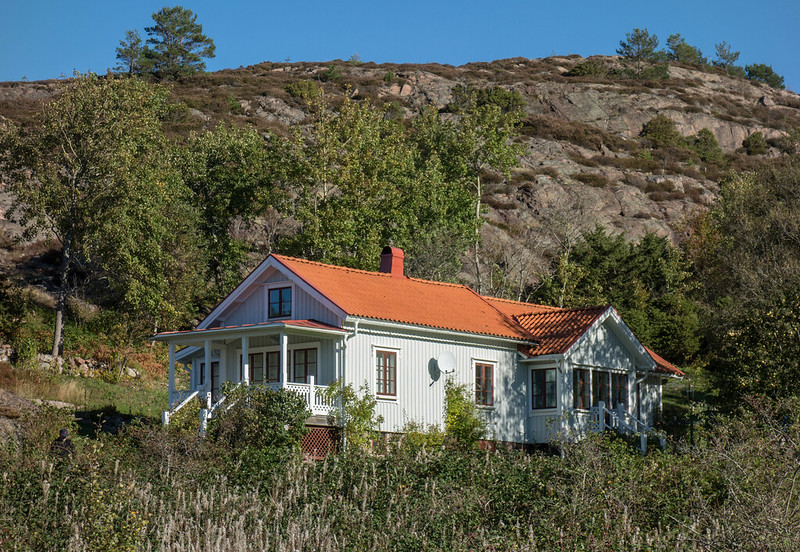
(373, 370)
(493, 364)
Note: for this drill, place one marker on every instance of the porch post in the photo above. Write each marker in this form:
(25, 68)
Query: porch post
(245, 360)
(171, 392)
(284, 358)
(207, 367)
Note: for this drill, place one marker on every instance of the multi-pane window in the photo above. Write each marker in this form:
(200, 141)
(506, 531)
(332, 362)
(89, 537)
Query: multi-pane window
(543, 388)
(601, 388)
(484, 384)
(619, 390)
(214, 374)
(580, 389)
(274, 366)
(305, 365)
(386, 372)
(280, 302)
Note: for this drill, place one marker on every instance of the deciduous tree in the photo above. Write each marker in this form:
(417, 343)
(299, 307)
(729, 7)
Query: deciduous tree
(94, 176)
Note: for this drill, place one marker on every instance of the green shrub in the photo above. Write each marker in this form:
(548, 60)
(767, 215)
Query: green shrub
(303, 89)
(260, 429)
(706, 146)
(660, 131)
(356, 415)
(388, 76)
(589, 68)
(332, 74)
(760, 72)
(755, 144)
(464, 424)
(656, 72)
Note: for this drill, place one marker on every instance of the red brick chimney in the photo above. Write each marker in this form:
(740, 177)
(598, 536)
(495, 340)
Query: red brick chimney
(392, 261)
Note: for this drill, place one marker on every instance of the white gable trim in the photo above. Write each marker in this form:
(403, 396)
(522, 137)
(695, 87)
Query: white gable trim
(245, 288)
(643, 358)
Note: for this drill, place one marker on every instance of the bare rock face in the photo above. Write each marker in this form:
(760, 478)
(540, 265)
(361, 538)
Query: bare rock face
(275, 109)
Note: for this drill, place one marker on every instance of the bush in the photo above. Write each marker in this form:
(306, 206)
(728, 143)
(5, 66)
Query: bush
(260, 430)
(706, 146)
(463, 423)
(755, 144)
(332, 74)
(303, 89)
(660, 130)
(760, 72)
(589, 68)
(592, 179)
(356, 415)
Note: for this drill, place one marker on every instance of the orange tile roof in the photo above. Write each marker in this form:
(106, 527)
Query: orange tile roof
(406, 300)
(556, 330)
(664, 366)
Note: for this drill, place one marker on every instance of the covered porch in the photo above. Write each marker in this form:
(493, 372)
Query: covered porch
(302, 356)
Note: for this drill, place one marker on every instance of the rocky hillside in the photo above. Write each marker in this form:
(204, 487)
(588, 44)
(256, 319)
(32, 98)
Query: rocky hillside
(584, 160)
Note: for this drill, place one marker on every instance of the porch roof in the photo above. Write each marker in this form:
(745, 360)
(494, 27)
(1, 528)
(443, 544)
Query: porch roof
(309, 327)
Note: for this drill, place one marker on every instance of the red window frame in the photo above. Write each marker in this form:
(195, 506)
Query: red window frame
(581, 398)
(543, 388)
(601, 388)
(386, 373)
(300, 358)
(484, 384)
(282, 302)
(619, 389)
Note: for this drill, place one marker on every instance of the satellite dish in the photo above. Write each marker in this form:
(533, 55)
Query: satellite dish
(446, 362)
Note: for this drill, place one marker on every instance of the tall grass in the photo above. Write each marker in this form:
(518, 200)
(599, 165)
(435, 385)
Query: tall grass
(150, 489)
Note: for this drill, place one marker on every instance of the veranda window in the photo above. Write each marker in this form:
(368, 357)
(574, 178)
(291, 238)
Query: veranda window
(580, 389)
(305, 365)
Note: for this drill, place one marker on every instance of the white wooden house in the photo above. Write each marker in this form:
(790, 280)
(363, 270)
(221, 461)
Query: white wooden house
(537, 372)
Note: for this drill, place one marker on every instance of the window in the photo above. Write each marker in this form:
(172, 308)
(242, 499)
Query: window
(601, 388)
(619, 390)
(274, 366)
(214, 374)
(580, 389)
(305, 365)
(280, 302)
(543, 388)
(484, 387)
(386, 376)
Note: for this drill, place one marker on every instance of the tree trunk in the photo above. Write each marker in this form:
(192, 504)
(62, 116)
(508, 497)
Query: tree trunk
(476, 245)
(58, 330)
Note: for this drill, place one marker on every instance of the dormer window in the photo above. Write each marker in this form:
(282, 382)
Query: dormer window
(280, 302)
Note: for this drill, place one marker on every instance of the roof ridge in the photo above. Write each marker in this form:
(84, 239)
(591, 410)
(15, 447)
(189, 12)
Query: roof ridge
(507, 317)
(562, 310)
(369, 272)
(512, 301)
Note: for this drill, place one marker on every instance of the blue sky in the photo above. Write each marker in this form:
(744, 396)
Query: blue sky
(42, 39)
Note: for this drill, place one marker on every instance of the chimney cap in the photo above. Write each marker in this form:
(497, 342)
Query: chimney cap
(393, 251)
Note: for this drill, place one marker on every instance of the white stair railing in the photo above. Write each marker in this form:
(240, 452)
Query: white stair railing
(168, 414)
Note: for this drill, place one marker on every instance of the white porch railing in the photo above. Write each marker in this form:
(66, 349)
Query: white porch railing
(623, 421)
(312, 394)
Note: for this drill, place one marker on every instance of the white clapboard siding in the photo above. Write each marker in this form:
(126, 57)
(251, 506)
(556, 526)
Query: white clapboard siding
(420, 386)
